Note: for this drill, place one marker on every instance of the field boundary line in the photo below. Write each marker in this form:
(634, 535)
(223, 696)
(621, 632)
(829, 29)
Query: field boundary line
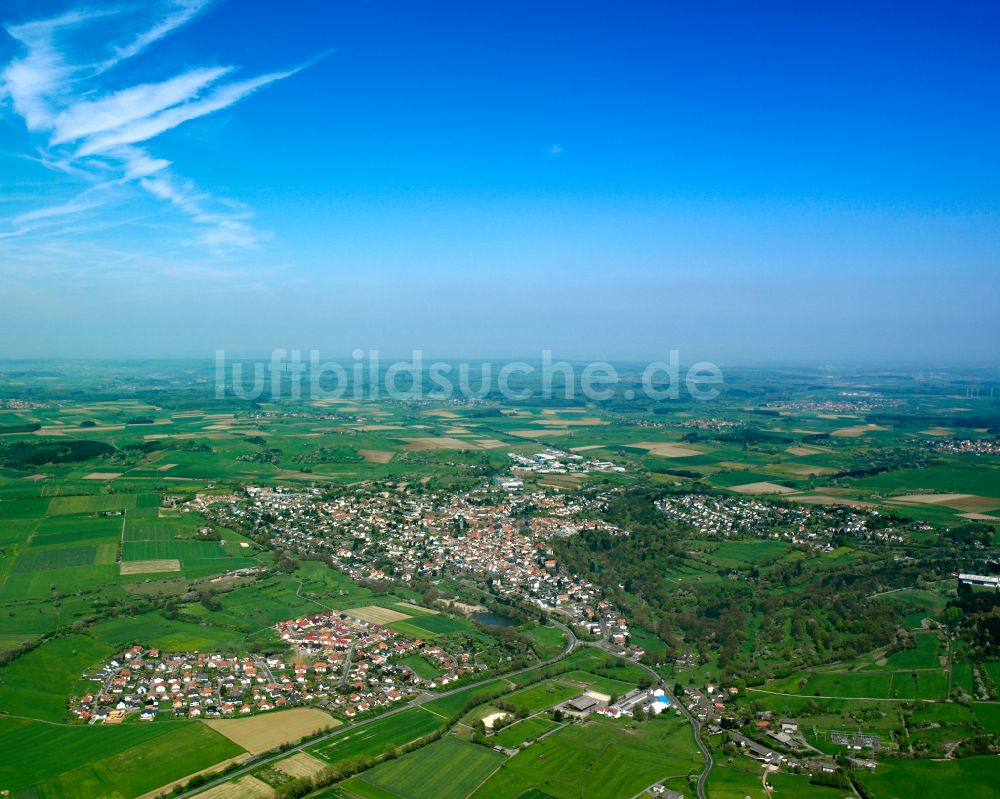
(848, 698)
(121, 540)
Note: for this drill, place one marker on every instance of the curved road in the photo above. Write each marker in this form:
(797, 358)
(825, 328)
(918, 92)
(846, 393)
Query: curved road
(695, 724)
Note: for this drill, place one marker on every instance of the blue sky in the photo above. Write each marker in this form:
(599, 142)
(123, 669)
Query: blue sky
(739, 181)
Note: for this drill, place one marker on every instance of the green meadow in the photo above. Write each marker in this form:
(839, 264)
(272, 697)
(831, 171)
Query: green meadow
(973, 777)
(598, 759)
(374, 738)
(86, 762)
(446, 769)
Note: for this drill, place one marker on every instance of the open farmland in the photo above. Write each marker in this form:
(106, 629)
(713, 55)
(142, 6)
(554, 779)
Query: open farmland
(150, 566)
(260, 733)
(373, 738)
(585, 760)
(378, 615)
(84, 762)
(243, 788)
(300, 765)
(446, 769)
(978, 777)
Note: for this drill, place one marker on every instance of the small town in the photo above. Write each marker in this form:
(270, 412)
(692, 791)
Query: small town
(339, 662)
(401, 536)
(816, 525)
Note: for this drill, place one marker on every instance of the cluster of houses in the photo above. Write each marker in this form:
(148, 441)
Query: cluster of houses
(848, 402)
(814, 525)
(183, 684)
(967, 446)
(710, 703)
(358, 662)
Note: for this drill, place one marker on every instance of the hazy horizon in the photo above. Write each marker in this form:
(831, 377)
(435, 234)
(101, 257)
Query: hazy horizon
(783, 184)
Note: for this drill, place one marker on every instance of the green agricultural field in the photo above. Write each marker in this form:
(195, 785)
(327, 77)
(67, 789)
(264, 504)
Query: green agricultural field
(988, 714)
(797, 786)
(446, 706)
(648, 641)
(959, 478)
(100, 503)
(926, 654)
(75, 529)
(373, 738)
(598, 759)
(751, 552)
(37, 684)
(961, 676)
(446, 769)
(931, 684)
(123, 760)
(728, 479)
(184, 551)
(54, 558)
(437, 624)
(992, 669)
(41, 585)
(735, 780)
(23, 508)
(973, 777)
(604, 685)
(172, 635)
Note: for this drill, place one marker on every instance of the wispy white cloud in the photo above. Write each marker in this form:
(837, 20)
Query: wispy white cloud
(555, 149)
(72, 207)
(128, 106)
(57, 84)
(147, 126)
(181, 12)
